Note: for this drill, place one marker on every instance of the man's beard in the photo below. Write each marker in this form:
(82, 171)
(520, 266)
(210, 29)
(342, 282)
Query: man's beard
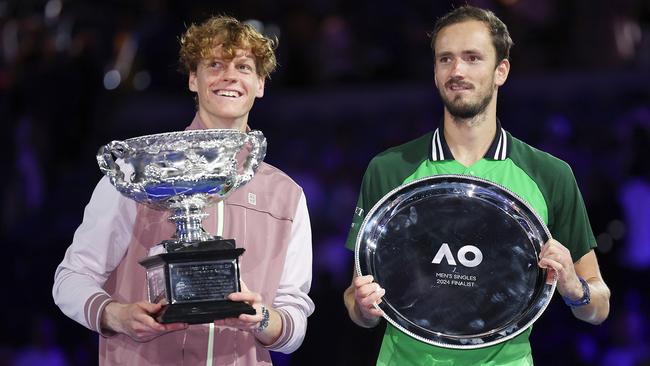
(462, 110)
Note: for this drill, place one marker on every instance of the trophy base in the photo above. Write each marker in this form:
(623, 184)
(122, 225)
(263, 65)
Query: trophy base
(200, 313)
(195, 282)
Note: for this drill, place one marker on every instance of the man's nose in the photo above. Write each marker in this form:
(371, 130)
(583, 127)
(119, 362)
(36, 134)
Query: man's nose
(457, 68)
(230, 73)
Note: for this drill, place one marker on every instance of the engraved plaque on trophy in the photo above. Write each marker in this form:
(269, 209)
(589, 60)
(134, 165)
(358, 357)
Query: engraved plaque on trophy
(183, 172)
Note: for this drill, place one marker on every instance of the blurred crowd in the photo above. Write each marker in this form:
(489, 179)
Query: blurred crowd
(355, 77)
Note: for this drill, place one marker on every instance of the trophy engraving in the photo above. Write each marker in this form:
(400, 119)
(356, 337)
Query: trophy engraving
(184, 172)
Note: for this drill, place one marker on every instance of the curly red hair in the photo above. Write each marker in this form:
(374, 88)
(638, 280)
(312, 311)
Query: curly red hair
(199, 43)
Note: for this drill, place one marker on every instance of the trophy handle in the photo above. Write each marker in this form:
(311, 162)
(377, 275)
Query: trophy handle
(106, 161)
(258, 142)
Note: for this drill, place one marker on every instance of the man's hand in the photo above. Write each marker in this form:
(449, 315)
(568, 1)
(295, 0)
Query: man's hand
(250, 323)
(136, 320)
(245, 321)
(360, 298)
(557, 259)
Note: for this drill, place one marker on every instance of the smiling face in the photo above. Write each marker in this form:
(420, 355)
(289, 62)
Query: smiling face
(465, 72)
(226, 89)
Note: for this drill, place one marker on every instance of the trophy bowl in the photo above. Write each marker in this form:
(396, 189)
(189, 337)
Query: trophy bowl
(183, 172)
(168, 167)
(457, 256)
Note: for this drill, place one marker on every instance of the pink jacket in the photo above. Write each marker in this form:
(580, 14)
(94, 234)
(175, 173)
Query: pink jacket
(267, 216)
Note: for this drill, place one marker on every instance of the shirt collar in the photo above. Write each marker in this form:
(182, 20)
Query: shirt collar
(198, 124)
(499, 149)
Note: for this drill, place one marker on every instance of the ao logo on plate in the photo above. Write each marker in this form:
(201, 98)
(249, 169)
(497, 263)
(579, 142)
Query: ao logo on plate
(445, 253)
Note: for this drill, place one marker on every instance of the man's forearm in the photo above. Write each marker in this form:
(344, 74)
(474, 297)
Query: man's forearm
(598, 308)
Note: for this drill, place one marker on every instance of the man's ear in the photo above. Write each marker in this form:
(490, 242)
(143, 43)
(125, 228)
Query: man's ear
(501, 72)
(435, 79)
(191, 82)
(260, 88)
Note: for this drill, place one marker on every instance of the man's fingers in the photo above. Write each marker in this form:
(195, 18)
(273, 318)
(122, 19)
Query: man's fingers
(551, 258)
(249, 297)
(149, 307)
(250, 318)
(369, 300)
(362, 280)
(149, 322)
(175, 326)
(137, 321)
(555, 269)
(236, 323)
(553, 246)
(144, 313)
(549, 264)
(368, 290)
(550, 276)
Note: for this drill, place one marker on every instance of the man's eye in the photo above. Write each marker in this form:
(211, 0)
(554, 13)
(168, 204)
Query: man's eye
(245, 67)
(215, 64)
(444, 60)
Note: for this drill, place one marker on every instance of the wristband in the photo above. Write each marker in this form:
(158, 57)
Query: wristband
(264, 323)
(584, 300)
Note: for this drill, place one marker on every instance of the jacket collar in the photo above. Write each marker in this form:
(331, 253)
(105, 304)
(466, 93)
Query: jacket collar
(499, 149)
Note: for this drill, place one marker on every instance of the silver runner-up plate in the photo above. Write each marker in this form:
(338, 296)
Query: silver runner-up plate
(457, 256)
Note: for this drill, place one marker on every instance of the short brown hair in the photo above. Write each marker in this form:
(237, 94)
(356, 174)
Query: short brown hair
(199, 41)
(498, 30)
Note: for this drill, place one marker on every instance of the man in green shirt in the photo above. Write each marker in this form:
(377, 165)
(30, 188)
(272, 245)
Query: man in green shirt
(471, 49)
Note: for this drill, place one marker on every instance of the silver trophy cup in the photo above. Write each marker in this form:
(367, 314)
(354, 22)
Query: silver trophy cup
(184, 172)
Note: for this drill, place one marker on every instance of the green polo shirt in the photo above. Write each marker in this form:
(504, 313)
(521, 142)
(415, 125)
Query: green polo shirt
(545, 182)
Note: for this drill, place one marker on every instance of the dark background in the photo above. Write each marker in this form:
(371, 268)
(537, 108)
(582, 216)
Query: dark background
(355, 78)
